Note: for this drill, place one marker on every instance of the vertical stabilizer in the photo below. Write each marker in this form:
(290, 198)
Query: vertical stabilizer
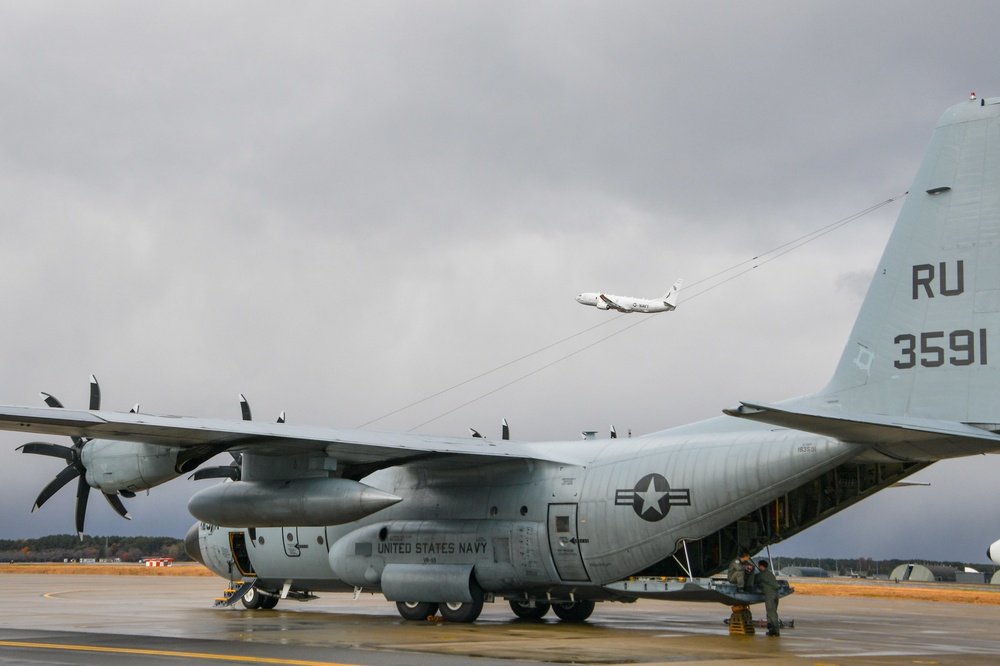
(670, 298)
(927, 340)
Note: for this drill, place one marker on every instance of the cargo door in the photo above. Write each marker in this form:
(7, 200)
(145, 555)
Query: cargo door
(565, 544)
(238, 546)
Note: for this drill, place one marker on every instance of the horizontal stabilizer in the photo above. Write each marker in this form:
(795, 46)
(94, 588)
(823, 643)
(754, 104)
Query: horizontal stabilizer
(898, 437)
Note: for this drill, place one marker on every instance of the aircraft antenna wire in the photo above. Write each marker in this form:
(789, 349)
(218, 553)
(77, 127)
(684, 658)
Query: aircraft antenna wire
(785, 248)
(489, 372)
(757, 261)
(533, 372)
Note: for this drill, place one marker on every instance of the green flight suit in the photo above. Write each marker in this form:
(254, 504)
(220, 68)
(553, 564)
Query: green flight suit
(769, 584)
(738, 573)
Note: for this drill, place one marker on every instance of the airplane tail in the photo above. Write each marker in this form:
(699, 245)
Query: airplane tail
(671, 297)
(926, 343)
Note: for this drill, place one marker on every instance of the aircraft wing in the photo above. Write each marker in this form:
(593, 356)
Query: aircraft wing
(361, 449)
(900, 437)
(610, 303)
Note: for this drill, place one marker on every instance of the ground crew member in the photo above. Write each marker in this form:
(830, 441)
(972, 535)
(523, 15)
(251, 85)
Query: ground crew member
(770, 586)
(742, 572)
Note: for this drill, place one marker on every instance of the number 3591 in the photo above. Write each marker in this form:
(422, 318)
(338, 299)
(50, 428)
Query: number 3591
(936, 348)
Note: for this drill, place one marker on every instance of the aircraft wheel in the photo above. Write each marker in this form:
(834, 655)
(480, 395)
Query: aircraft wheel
(525, 611)
(416, 610)
(574, 611)
(455, 611)
(269, 601)
(253, 599)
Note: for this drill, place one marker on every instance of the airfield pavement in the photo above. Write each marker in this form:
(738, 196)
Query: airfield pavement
(152, 619)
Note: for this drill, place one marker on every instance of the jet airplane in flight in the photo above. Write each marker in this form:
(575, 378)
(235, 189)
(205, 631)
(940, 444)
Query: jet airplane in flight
(629, 304)
(442, 524)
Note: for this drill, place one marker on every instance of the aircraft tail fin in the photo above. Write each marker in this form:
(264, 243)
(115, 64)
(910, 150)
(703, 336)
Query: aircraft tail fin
(671, 297)
(926, 343)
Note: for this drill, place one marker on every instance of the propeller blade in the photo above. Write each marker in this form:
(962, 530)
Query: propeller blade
(117, 505)
(46, 449)
(95, 394)
(82, 495)
(69, 473)
(51, 400)
(245, 408)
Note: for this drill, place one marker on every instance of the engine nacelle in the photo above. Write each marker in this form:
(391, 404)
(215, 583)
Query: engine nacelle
(113, 466)
(993, 552)
(303, 502)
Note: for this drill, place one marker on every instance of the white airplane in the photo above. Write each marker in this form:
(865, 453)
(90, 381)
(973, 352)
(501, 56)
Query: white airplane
(629, 304)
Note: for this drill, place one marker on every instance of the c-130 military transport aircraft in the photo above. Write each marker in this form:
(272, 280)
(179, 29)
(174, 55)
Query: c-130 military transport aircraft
(439, 523)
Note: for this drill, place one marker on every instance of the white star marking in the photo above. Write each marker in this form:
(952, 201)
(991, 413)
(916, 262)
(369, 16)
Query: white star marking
(651, 498)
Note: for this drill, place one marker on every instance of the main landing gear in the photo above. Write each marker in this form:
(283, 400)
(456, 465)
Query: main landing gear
(452, 611)
(567, 611)
(573, 611)
(525, 611)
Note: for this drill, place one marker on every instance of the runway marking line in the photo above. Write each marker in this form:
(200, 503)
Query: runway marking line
(170, 653)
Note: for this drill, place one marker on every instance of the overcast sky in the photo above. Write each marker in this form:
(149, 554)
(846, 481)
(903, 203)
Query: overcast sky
(341, 208)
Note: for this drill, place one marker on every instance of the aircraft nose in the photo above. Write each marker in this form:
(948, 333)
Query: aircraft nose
(192, 545)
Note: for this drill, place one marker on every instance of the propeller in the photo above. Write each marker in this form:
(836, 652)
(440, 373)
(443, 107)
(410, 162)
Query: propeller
(504, 430)
(74, 465)
(234, 470)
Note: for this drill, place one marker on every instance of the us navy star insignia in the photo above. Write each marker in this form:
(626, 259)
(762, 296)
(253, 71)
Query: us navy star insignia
(652, 497)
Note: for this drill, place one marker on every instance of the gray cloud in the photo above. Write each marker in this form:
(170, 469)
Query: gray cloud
(340, 209)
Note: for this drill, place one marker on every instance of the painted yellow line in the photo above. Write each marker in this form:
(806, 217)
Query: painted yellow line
(170, 653)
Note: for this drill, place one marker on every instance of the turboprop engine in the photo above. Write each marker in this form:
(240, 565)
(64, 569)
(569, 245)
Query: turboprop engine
(113, 467)
(127, 467)
(302, 502)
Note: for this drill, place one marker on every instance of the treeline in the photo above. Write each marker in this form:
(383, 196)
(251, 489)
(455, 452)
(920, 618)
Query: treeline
(60, 547)
(868, 566)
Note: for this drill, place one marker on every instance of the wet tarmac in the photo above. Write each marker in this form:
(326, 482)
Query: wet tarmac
(146, 620)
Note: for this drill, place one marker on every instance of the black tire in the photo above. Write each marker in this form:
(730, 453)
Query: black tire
(253, 599)
(269, 601)
(464, 612)
(416, 610)
(574, 611)
(525, 611)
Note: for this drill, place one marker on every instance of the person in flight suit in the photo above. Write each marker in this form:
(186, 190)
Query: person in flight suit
(742, 572)
(770, 586)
